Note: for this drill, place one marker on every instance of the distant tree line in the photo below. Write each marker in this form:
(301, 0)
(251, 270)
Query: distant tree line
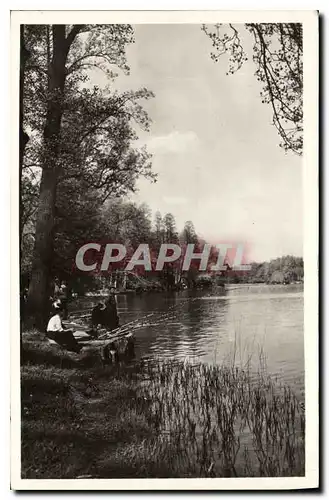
(81, 218)
(282, 270)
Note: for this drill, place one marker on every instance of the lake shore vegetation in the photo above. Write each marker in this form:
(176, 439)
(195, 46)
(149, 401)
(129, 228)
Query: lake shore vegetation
(153, 418)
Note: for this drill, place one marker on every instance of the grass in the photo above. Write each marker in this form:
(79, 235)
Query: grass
(153, 419)
(226, 421)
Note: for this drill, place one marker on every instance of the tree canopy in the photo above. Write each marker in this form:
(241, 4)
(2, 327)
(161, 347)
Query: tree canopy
(79, 138)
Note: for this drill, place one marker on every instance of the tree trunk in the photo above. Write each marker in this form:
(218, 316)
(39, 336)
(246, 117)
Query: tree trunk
(23, 136)
(23, 140)
(38, 296)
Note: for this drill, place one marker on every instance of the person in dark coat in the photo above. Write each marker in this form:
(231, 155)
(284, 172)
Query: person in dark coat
(106, 315)
(111, 313)
(98, 315)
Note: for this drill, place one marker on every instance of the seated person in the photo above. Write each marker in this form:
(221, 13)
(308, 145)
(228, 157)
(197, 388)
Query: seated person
(111, 313)
(106, 315)
(97, 314)
(56, 332)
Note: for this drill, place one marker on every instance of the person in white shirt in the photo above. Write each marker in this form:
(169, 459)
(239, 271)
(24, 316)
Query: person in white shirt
(55, 324)
(56, 332)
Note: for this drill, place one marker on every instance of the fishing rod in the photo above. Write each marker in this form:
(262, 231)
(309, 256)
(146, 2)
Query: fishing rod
(140, 322)
(133, 325)
(126, 328)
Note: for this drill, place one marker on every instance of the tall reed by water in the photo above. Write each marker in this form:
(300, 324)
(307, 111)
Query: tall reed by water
(155, 418)
(222, 421)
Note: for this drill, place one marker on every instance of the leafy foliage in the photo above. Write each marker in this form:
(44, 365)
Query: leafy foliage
(81, 148)
(278, 271)
(278, 56)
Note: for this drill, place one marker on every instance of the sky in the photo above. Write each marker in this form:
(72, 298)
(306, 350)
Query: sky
(214, 148)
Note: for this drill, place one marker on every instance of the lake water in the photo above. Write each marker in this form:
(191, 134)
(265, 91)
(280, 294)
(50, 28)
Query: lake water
(244, 323)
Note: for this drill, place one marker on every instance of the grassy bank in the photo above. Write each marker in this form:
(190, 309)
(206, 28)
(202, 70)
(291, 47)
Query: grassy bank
(153, 419)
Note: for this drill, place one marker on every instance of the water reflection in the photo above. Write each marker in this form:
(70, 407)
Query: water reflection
(216, 327)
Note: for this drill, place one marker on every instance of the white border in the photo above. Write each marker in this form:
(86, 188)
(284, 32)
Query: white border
(310, 171)
(162, 17)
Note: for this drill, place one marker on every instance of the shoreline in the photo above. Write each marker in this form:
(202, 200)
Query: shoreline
(159, 419)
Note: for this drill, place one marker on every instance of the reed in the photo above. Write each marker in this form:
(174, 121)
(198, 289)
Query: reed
(224, 421)
(155, 419)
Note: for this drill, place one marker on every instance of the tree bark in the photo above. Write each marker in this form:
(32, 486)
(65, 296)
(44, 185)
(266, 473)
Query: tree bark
(38, 295)
(23, 136)
(23, 140)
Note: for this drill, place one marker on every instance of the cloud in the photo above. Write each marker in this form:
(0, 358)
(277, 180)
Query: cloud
(175, 200)
(174, 142)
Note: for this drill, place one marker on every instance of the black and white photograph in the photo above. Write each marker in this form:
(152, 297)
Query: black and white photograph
(165, 211)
